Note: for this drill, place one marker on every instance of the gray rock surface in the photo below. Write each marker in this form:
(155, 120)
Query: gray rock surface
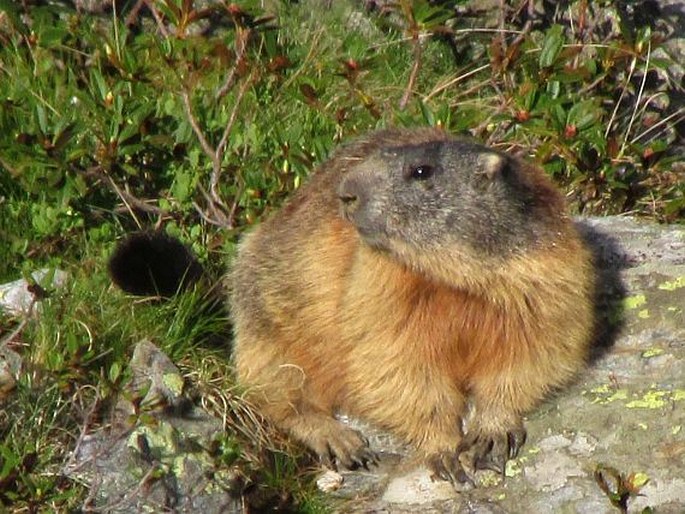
(626, 411)
(157, 455)
(624, 418)
(19, 297)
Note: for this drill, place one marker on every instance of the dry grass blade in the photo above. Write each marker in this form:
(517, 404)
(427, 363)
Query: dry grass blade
(638, 101)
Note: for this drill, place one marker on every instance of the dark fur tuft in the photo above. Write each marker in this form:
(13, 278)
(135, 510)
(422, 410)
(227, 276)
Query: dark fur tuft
(153, 264)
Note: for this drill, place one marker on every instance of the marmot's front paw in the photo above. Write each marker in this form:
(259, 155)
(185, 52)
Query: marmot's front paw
(492, 451)
(343, 447)
(445, 465)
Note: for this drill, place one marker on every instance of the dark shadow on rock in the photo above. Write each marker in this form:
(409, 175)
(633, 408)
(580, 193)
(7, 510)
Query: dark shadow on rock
(610, 291)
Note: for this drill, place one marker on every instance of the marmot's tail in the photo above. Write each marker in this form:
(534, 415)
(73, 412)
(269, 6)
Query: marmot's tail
(153, 264)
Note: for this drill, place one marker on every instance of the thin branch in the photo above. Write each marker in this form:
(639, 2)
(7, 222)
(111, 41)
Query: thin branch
(637, 102)
(205, 217)
(22, 324)
(633, 63)
(221, 147)
(217, 217)
(418, 49)
(455, 80)
(133, 14)
(131, 202)
(679, 115)
(126, 200)
(158, 18)
(241, 43)
(70, 467)
(206, 147)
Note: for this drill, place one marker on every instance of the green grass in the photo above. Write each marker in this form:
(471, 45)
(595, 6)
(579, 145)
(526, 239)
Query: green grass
(110, 123)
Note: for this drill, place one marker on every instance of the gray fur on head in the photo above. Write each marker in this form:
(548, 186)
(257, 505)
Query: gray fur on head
(438, 194)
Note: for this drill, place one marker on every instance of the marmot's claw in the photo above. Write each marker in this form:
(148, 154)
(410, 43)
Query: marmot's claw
(492, 451)
(364, 458)
(446, 466)
(516, 439)
(347, 448)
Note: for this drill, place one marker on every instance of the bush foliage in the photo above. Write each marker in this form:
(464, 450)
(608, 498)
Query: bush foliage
(202, 116)
(216, 111)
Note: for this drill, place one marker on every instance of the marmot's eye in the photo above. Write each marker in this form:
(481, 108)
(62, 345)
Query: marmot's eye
(421, 172)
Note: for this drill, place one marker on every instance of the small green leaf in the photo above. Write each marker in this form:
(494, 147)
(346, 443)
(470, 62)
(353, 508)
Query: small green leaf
(114, 371)
(583, 114)
(551, 47)
(427, 114)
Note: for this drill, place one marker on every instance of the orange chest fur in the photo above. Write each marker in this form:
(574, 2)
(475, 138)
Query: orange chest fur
(395, 320)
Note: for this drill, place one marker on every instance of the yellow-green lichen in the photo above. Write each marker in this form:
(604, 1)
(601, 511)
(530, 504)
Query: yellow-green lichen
(678, 394)
(512, 468)
(676, 429)
(650, 400)
(161, 440)
(174, 383)
(639, 479)
(672, 285)
(643, 314)
(490, 479)
(652, 352)
(603, 399)
(633, 302)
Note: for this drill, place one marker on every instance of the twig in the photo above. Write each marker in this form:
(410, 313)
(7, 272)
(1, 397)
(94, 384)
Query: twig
(160, 23)
(126, 200)
(455, 80)
(133, 14)
(637, 102)
(241, 43)
(206, 147)
(70, 467)
(217, 217)
(414, 73)
(620, 98)
(8, 338)
(130, 202)
(679, 114)
(221, 147)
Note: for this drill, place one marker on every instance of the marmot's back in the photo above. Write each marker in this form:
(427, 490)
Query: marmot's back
(413, 272)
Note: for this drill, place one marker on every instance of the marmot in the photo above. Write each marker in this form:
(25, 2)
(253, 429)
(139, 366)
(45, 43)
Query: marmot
(413, 275)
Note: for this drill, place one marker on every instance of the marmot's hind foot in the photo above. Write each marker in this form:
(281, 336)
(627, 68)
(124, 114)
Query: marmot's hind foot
(446, 465)
(492, 451)
(337, 445)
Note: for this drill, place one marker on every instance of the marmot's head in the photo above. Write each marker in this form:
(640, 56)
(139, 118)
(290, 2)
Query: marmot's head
(447, 196)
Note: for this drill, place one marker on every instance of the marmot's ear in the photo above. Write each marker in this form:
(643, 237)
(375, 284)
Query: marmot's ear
(153, 264)
(493, 165)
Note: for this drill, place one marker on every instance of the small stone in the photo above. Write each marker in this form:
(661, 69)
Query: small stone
(16, 298)
(10, 365)
(417, 487)
(329, 481)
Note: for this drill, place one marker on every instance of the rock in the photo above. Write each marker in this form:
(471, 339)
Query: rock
(417, 488)
(10, 366)
(157, 457)
(627, 410)
(329, 481)
(19, 296)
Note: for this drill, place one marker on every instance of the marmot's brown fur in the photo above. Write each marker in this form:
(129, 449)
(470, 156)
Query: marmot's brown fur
(413, 274)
